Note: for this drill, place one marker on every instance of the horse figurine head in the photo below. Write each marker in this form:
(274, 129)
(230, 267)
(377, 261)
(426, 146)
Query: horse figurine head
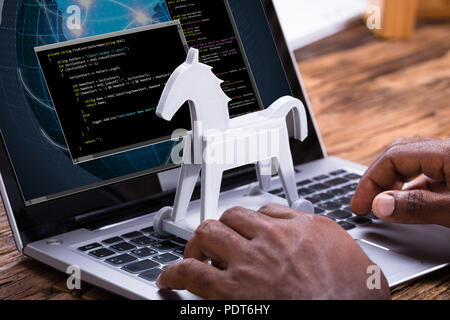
(195, 83)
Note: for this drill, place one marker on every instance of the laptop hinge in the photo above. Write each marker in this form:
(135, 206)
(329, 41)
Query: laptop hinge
(122, 212)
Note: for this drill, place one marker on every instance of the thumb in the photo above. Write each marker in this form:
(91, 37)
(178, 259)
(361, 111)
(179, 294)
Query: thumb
(413, 207)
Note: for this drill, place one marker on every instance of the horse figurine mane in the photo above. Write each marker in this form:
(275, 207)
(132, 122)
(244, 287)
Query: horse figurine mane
(195, 83)
(212, 129)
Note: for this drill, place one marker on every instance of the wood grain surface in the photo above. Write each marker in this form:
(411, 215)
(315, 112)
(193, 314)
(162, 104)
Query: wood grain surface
(365, 93)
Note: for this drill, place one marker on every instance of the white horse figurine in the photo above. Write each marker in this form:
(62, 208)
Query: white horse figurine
(213, 130)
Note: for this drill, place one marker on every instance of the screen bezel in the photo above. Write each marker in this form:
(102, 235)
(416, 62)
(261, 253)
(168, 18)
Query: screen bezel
(27, 220)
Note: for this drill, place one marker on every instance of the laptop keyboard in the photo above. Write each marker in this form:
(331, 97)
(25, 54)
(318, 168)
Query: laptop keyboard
(141, 253)
(331, 195)
(144, 253)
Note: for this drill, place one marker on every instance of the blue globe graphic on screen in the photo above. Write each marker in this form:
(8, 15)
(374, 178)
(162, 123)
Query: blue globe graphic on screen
(45, 22)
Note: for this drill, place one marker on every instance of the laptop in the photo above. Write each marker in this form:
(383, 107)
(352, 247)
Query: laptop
(81, 181)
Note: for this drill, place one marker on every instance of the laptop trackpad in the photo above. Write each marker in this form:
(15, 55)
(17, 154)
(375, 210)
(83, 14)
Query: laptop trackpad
(394, 265)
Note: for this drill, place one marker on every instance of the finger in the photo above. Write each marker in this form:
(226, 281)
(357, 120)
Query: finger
(214, 240)
(425, 183)
(195, 276)
(278, 211)
(244, 221)
(411, 140)
(413, 207)
(404, 160)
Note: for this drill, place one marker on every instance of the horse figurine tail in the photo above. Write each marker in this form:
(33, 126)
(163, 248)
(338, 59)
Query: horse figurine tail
(282, 107)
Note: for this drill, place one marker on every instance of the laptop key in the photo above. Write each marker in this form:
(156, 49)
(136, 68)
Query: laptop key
(324, 196)
(90, 247)
(143, 241)
(339, 191)
(352, 176)
(360, 221)
(140, 266)
(151, 275)
(313, 200)
(305, 191)
(122, 259)
(166, 258)
(340, 214)
(160, 237)
(351, 187)
(318, 210)
(179, 251)
(276, 191)
(148, 230)
(112, 240)
(304, 182)
(164, 246)
(330, 205)
(321, 177)
(122, 247)
(345, 201)
(336, 181)
(132, 235)
(338, 172)
(144, 252)
(102, 253)
(346, 225)
(179, 241)
(319, 186)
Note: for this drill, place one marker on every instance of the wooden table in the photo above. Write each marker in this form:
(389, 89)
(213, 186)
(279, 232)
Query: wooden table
(364, 92)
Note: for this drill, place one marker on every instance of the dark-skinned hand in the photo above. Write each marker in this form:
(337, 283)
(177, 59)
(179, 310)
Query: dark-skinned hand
(273, 253)
(425, 163)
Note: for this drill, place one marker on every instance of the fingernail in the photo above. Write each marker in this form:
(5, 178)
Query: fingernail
(384, 205)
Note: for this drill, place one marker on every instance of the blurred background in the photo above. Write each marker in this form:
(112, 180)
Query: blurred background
(374, 70)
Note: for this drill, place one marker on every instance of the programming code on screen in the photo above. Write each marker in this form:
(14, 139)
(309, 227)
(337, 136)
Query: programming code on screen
(105, 89)
(208, 26)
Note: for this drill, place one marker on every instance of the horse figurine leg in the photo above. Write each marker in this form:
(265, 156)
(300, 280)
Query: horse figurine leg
(263, 172)
(287, 177)
(211, 182)
(186, 184)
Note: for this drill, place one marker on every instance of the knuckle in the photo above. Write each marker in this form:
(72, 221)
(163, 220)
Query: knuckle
(410, 206)
(205, 228)
(232, 212)
(186, 266)
(399, 141)
(269, 208)
(394, 153)
(415, 202)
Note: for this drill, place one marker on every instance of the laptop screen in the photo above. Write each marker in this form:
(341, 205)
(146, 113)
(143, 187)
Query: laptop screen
(233, 36)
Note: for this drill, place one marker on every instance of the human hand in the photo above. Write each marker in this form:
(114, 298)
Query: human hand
(275, 253)
(425, 201)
